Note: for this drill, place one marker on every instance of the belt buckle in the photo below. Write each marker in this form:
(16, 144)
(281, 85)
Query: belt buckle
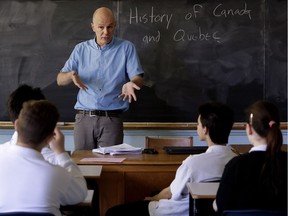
(92, 115)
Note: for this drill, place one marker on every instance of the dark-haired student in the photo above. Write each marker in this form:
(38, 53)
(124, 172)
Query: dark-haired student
(28, 182)
(215, 122)
(258, 179)
(15, 102)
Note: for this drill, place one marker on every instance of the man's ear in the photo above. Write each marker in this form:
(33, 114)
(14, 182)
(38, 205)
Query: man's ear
(92, 26)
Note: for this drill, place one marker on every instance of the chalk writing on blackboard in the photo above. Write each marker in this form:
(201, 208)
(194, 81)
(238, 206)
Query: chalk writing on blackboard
(151, 16)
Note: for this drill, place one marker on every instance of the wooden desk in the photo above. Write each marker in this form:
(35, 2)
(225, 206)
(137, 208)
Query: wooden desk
(91, 171)
(133, 179)
(202, 196)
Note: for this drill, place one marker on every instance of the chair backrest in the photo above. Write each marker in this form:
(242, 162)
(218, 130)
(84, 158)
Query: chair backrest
(159, 142)
(25, 214)
(241, 148)
(253, 212)
(284, 147)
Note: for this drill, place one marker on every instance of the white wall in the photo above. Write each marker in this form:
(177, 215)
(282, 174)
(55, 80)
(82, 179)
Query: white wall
(137, 137)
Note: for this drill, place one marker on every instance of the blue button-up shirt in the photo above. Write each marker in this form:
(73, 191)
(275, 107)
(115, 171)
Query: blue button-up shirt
(104, 71)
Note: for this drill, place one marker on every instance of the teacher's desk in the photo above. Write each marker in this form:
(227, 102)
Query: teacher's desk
(134, 178)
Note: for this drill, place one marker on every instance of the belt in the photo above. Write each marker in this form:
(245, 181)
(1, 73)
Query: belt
(109, 113)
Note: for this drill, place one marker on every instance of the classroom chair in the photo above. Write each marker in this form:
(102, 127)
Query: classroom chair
(253, 212)
(158, 143)
(26, 214)
(284, 147)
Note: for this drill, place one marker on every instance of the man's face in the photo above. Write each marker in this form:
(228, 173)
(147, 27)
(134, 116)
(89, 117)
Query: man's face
(104, 27)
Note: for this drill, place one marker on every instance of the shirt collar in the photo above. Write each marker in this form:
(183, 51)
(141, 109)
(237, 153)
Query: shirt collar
(26, 152)
(261, 147)
(216, 148)
(107, 46)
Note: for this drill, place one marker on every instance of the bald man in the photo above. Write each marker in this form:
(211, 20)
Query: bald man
(107, 71)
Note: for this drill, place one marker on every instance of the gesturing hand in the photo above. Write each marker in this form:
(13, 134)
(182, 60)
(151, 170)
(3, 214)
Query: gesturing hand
(77, 81)
(128, 91)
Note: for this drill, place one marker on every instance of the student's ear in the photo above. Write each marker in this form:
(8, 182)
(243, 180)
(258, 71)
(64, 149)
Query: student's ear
(16, 124)
(249, 130)
(49, 138)
(206, 130)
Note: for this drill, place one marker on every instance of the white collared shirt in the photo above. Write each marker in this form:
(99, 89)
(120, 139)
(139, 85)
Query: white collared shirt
(203, 167)
(47, 153)
(261, 147)
(30, 184)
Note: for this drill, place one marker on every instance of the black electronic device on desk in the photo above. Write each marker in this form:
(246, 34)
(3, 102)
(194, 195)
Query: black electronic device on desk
(185, 149)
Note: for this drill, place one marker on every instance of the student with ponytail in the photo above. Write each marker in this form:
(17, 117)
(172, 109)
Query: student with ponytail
(258, 179)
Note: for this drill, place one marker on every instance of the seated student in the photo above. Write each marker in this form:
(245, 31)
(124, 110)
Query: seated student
(215, 122)
(258, 179)
(14, 105)
(28, 182)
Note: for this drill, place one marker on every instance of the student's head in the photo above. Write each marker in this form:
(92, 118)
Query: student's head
(36, 122)
(103, 24)
(22, 94)
(264, 118)
(217, 120)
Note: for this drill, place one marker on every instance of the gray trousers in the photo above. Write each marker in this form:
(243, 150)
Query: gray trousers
(94, 131)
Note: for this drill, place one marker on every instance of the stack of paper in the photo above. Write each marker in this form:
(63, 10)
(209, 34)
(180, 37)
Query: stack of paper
(118, 149)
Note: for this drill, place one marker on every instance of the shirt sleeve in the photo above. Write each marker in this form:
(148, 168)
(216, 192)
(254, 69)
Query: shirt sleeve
(49, 155)
(72, 62)
(178, 186)
(133, 65)
(77, 187)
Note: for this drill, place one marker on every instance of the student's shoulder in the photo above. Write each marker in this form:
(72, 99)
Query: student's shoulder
(245, 160)
(197, 157)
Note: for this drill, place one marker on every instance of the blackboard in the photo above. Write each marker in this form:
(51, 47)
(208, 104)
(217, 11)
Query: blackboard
(191, 51)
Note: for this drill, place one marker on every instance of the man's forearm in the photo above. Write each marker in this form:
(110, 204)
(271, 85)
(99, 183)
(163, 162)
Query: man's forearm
(138, 80)
(64, 78)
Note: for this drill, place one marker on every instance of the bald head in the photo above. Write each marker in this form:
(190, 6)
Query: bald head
(103, 13)
(103, 24)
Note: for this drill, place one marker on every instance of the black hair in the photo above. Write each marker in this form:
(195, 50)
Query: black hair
(22, 94)
(219, 119)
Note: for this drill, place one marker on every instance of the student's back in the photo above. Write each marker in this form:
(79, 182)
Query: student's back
(28, 182)
(33, 181)
(247, 190)
(258, 179)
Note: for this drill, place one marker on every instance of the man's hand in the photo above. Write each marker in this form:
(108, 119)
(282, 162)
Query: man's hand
(128, 91)
(77, 81)
(57, 142)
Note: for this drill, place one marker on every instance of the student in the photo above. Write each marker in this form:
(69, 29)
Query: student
(258, 179)
(215, 122)
(14, 105)
(107, 71)
(28, 182)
